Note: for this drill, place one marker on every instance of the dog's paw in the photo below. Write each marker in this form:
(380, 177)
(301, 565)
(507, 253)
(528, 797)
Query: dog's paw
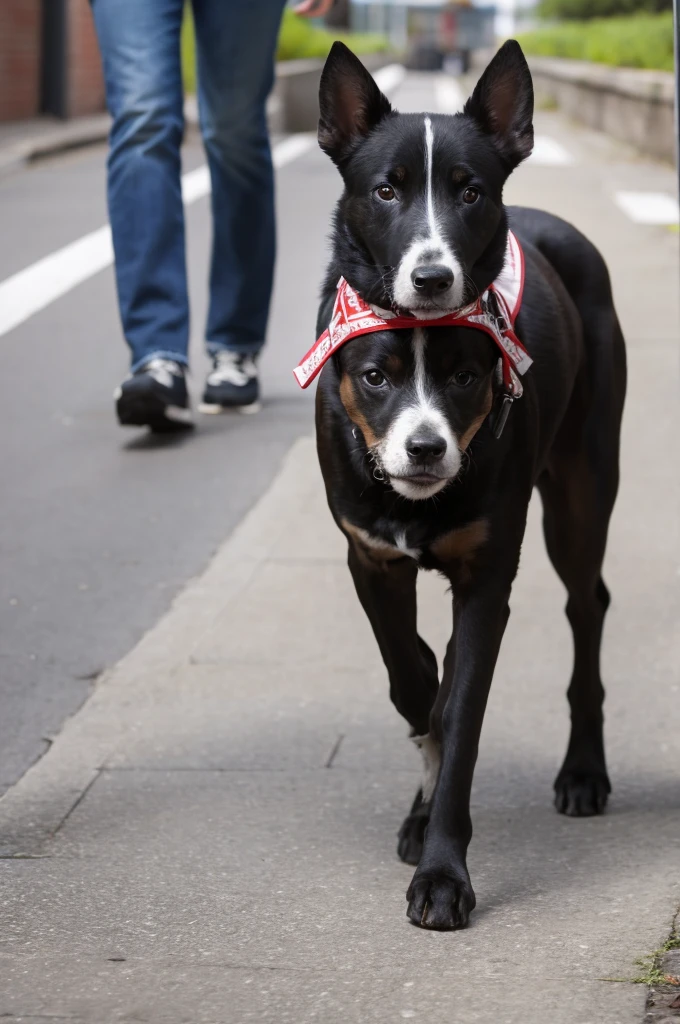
(412, 832)
(440, 900)
(580, 794)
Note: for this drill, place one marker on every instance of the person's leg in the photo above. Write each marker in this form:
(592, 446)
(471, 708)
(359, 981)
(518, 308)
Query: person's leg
(139, 42)
(236, 43)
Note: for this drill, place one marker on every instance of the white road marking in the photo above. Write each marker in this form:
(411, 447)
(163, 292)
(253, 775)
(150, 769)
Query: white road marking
(649, 207)
(292, 147)
(549, 152)
(29, 291)
(35, 287)
(448, 95)
(195, 185)
(390, 77)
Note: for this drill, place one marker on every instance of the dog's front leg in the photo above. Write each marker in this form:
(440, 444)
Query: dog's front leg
(387, 591)
(440, 895)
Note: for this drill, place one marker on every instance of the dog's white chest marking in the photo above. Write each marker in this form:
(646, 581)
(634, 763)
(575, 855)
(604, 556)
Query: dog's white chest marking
(400, 540)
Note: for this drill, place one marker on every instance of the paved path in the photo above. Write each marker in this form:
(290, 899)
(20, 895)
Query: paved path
(211, 837)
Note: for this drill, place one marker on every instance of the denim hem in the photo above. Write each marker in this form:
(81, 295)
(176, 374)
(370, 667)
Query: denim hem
(161, 353)
(244, 348)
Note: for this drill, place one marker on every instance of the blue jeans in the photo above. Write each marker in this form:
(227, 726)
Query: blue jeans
(140, 46)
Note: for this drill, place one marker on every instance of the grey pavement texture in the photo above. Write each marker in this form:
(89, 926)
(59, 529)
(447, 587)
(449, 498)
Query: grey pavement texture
(211, 837)
(101, 527)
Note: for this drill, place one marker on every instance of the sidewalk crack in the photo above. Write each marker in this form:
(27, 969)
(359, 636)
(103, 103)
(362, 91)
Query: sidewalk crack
(76, 803)
(334, 751)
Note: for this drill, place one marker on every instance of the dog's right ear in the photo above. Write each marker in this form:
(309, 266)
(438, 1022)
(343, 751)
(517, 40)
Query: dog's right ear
(350, 103)
(502, 103)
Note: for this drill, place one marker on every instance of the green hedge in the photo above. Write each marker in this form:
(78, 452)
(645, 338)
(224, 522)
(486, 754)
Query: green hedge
(585, 10)
(641, 41)
(298, 38)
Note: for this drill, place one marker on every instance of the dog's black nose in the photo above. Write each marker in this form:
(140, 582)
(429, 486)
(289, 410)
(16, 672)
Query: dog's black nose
(425, 448)
(432, 279)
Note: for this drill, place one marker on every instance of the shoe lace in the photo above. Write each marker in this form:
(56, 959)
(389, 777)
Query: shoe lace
(232, 368)
(164, 370)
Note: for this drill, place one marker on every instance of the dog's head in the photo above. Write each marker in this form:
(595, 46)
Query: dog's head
(418, 397)
(421, 226)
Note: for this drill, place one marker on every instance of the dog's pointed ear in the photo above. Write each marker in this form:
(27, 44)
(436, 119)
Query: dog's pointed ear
(502, 103)
(350, 103)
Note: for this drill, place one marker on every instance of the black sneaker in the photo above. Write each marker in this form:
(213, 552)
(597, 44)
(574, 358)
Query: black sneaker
(155, 396)
(231, 384)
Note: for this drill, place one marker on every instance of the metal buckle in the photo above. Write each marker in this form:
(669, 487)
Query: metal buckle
(493, 310)
(501, 416)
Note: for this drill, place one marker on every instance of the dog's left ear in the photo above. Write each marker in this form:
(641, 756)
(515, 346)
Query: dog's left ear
(503, 103)
(350, 103)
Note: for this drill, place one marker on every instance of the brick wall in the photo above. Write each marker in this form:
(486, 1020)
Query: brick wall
(19, 59)
(85, 82)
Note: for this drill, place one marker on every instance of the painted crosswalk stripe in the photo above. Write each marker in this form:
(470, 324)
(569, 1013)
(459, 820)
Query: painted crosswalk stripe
(649, 207)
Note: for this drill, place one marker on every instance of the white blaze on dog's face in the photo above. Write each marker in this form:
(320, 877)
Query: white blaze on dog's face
(429, 279)
(418, 397)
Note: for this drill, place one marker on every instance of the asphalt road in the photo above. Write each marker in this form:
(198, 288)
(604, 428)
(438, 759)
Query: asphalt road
(100, 528)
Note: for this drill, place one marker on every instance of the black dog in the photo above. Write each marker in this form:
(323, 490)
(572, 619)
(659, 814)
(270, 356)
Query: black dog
(421, 470)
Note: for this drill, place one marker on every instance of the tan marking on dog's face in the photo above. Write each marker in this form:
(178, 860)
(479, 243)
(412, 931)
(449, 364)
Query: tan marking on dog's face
(348, 399)
(394, 367)
(477, 422)
(461, 545)
(377, 554)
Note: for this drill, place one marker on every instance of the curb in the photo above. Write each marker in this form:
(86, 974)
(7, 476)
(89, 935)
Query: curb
(71, 135)
(292, 106)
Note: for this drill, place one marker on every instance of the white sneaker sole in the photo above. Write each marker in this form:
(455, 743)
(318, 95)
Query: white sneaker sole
(178, 415)
(208, 409)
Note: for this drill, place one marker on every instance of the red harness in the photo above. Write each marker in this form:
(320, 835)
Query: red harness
(494, 312)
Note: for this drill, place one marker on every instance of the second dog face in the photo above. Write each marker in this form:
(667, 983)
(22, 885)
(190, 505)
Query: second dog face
(418, 397)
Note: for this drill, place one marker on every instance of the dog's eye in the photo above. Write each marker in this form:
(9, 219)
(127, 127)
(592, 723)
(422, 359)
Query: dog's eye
(464, 378)
(374, 378)
(471, 194)
(386, 192)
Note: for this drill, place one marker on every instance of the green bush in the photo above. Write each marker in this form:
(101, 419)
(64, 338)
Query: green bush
(641, 41)
(585, 10)
(298, 38)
